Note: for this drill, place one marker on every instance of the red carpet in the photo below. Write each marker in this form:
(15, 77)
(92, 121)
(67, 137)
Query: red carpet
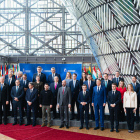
(44, 133)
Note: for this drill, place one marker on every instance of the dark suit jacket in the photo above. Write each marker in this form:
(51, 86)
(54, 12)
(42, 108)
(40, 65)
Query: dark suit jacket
(74, 91)
(91, 87)
(11, 85)
(64, 99)
(6, 76)
(52, 88)
(109, 86)
(81, 98)
(5, 95)
(32, 97)
(114, 99)
(99, 97)
(114, 80)
(22, 84)
(19, 94)
(137, 90)
(50, 79)
(42, 77)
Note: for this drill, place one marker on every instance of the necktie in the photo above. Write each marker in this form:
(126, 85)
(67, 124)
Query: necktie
(106, 84)
(1, 86)
(117, 80)
(84, 94)
(9, 82)
(113, 93)
(16, 89)
(98, 89)
(74, 83)
(24, 82)
(55, 86)
(134, 87)
(63, 91)
(30, 91)
(89, 84)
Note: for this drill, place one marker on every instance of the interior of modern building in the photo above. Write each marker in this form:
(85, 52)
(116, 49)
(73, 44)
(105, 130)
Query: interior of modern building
(76, 36)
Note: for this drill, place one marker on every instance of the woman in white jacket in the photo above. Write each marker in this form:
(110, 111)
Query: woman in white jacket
(130, 106)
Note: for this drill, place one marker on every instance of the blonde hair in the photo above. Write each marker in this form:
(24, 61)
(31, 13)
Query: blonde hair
(123, 84)
(70, 75)
(131, 87)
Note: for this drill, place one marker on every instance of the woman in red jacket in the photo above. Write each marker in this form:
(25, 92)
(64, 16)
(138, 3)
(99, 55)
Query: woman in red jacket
(122, 90)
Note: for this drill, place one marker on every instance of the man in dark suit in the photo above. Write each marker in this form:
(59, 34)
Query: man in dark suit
(84, 101)
(10, 82)
(114, 99)
(17, 94)
(107, 83)
(75, 88)
(42, 75)
(20, 74)
(64, 102)
(24, 83)
(51, 76)
(4, 100)
(10, 71)
(136, 87)
(117, 78)
(31, 99)
(99, 77)
(54, 89)
(90, 84)
(99, 102)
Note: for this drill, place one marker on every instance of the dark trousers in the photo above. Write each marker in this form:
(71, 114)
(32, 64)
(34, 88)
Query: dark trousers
(82, 109)
(130, 118)
(4, 112)
(62, 110)
(8, 107)
(74, 100)
(33, 107)
(114, 113)
(92, 111)
(39, 109)
(54, 107)
(15, 105)
(137, 111)
(122, 114)
(24, 104)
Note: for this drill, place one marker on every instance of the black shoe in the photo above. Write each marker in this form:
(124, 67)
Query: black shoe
(117, 130)
(77, 119)
(96, 128)
(0, 122)
(93, 119)
(33, 125)
(72, 118)
(62, 125)
(53, 118)
(5, 123)
(14, 123)
(81, 127)
(20, 124)
(111, 130)
(102, 128)
(137, 122)
(27, 124)
(87, 128)
(67, 126)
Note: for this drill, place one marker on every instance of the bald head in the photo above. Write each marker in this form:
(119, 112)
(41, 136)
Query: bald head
(64, 83)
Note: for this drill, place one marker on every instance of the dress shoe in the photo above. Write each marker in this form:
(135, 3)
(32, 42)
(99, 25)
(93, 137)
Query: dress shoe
(53, 118)
(117, 130)
(96, 128)
(20, 123)
(48, 125)
(111, 130)
(93, 118)
(137, 122)
(129, 131)
(14, 123)
(132, 131)
(81, 127)
(72, 118)
(43, 124)
(87, 127)
(0, 122)
(67, 126)
(5, 123)
(27, 124)
(77, 119)
(33, 125)
(102, 128)
(61, 126)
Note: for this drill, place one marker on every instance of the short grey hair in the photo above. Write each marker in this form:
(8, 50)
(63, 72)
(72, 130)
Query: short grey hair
(53, 68)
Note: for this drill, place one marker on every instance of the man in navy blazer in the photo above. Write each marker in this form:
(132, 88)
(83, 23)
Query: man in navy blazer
(136, 87)
(114, 99)
(75, 88)
(51, 76)
(17, 94)
(90, 84)
(84, 101)
(99, 102)
(10, 71)
(99, 77)
(117, 78)
(10, 81)
(107, 83)
(54, 89)
(24, 83)
(42, 75)
(31, 99)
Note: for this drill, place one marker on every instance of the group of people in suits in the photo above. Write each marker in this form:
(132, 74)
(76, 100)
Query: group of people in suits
(51, 93)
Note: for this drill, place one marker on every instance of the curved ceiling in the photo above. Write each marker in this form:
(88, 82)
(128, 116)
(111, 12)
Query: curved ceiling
(112, 28)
